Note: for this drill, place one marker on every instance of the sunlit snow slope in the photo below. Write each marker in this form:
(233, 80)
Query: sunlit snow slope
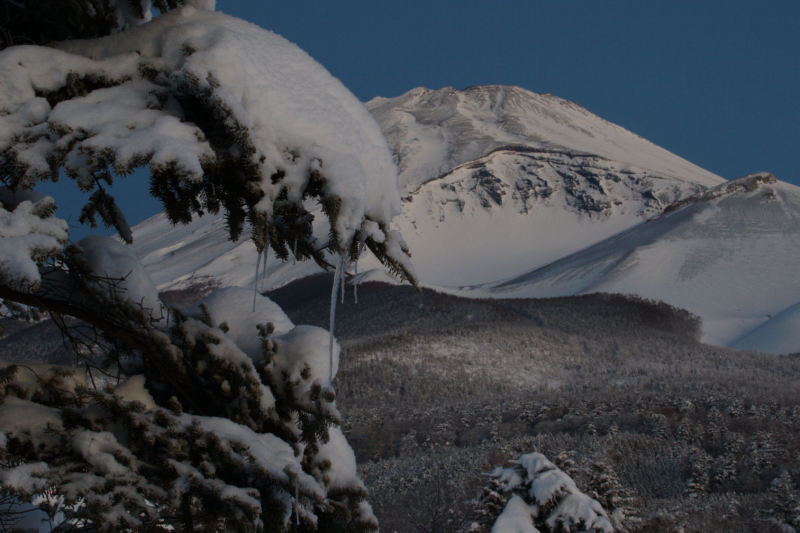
(728, 255)
(496, 180)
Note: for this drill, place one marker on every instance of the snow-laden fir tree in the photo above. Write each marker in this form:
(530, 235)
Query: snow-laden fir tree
(534, 495)
(606, 488)
(786, 503)
(699, 482)
(217, 417)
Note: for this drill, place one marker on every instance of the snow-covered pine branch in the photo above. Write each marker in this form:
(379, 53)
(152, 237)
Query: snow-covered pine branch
(227, 116)
(228, 416)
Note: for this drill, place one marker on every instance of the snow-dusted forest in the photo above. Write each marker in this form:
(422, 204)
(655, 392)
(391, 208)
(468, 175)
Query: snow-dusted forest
(666, 432)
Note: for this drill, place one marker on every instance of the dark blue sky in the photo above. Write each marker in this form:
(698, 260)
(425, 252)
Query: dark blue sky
(716, 82)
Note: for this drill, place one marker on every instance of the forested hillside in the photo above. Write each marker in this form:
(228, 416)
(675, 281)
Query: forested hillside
(437, 391)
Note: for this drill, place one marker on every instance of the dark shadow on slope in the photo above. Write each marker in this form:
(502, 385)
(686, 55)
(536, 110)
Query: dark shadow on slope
(383, 308)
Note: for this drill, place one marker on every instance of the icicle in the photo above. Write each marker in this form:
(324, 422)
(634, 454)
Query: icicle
(355, 281)
(294, 252)
(336, 277)
(296, 503)
(355, 271)
(255, 282)
(342, 280)
(264, 264)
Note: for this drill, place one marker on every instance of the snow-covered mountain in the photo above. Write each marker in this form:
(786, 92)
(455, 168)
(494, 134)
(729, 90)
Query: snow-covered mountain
(728, 255)
(495, 180)
(500, 183)
(434, 131)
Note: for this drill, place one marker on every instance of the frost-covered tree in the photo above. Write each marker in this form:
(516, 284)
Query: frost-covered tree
(217, 417)
(699, 480)
(786, 501)
(538, 497)
(606, 488)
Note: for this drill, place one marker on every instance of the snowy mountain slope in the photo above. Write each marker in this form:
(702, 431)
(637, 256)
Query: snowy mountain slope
(200, 256)
(780, 334)
(433, 131)
(728, 255)
(519, 207)
(496, 180)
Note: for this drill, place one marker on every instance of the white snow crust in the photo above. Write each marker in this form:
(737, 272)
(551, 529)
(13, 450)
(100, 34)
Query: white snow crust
(342, 473)
(100, 449)
(579, 512)
(515, 518)
(24, 477)
(269, 453)
(547, 486)
(24, 420)
(133, 390)
(27, 234)
(535, 463)
(307, 347)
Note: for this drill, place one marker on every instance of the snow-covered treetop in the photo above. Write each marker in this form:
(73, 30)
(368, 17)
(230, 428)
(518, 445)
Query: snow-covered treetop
(545, 498)
(226, 114)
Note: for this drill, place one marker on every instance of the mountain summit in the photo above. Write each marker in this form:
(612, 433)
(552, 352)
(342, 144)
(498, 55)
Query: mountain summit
(497, 180)
(434, 131)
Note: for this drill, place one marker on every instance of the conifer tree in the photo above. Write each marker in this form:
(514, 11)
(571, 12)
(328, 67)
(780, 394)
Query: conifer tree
(606, 488)
(46, 21)
(699, 480)
(786, 502)
(216, 417)
(538, 496)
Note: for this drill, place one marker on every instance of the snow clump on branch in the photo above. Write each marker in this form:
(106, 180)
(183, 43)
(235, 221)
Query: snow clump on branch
(542, 497)
(226, 115)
